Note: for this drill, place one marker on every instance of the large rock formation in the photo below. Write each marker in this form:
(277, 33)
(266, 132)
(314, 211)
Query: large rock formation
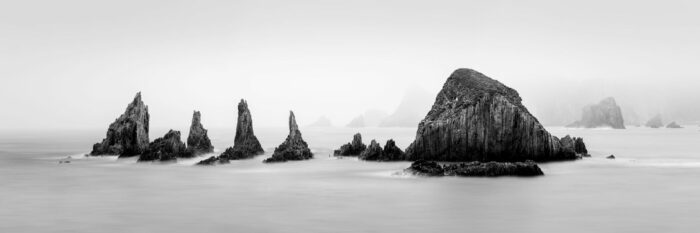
(245, 145)
(476, 118)
(294, 147)
(128, 135)
(198, 141)
(350, 149)
(655, 122)
(488, 169)
(604, 114)
(169, 147)
(673, 125)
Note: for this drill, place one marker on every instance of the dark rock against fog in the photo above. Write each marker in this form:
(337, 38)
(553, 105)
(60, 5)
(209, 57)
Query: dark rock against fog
(375, 152)
(294, 147)
(673, 125)
(354, 148)
(476, 118)
(128, 135)
(472, 169)
(580, 147)
(604, 114)
(655, 122)
(198, 141)
(246, 144)
(169, 147)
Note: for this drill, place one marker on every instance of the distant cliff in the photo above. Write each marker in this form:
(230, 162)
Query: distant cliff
(604, 114)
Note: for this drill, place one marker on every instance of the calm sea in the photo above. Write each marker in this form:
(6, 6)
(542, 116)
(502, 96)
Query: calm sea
(652, 186)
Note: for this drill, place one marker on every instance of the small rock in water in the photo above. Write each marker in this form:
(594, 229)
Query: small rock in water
(673, 125)
(476, 169)
(212, 161)
(610, 157)
(354, 148)
(426, 168)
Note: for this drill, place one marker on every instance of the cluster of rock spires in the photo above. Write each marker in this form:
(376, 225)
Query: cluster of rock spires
(128, 136)
(476, 118)
(604, 114)
(373, 152)
(245, 145)
(294, 147)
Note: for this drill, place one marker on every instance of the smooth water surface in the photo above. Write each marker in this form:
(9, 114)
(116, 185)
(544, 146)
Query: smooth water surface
(652, 186)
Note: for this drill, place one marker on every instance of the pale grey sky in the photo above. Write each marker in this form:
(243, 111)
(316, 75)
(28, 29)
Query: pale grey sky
(76, 64)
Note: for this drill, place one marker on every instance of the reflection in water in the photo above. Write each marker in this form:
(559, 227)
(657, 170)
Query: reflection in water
(652, 186)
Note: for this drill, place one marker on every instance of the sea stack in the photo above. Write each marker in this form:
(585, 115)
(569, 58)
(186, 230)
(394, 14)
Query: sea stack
(198, 141)
(375, 153)
(294, 147)
(655, 122)
(476, 118)
(167, 148)
(352, 149)
(245, 145)
(604, 114)
(128, 134)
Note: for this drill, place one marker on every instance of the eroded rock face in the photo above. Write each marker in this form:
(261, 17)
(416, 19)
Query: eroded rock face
(167, 148)
(476, 118)
(604, 114)
(373, 152)
(392, 152)
(246, 144)
(351, 149)
(673, 125)
(128, 135)
(475, 169)
(198, 141)
(294, 147)
(655, 122)
(580, 147)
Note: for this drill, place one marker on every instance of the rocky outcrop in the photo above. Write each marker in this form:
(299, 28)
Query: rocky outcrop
(604, 114)
(198, 141)
(213, 160)
(350, 149)
(476, 118)
(655, 122)
(673, 125)
(373, 152)
(128, 135)
(167, 148)
(392, 152)
(580, 147)
(246, 145)
(610, 157)
(476, 169)
(294, 147)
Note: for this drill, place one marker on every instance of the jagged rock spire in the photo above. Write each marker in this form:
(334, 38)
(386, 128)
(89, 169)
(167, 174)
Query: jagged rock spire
(198, 141)
(294, 147)
(128, 134)
(246, 144)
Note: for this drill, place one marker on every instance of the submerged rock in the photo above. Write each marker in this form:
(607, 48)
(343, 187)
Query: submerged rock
(294, 147)
(373, 152)
(198, 141)
(212, 161)
(604, 114)
(476, 118)
(475, 169)
(426, 168)
(246, 144)
(128, 134)
(673, 125)
(655, 122)
(167, 148)
(493, 169)
(354, 148)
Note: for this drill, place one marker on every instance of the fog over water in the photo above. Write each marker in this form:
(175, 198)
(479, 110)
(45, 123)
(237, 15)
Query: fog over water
(76, 63)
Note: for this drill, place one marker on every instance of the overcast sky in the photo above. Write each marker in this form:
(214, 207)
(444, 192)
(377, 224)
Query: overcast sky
(76, 64)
